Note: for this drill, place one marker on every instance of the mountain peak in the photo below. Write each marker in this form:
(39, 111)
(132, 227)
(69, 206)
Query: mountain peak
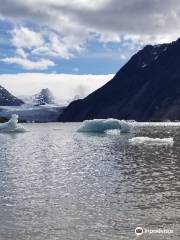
(45, 96)
(7, 99)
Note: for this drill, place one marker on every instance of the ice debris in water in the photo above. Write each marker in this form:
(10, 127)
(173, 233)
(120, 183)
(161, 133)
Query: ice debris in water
(151, 141)
(12, 125)
(103, 125)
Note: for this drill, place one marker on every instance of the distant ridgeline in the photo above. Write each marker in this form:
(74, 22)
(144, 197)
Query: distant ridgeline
(7, 99)
(147, 88)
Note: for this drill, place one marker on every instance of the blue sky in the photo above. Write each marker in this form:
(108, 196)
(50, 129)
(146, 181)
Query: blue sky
(95, 58)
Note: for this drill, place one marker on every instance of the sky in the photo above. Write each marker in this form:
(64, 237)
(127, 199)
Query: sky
(69, 38)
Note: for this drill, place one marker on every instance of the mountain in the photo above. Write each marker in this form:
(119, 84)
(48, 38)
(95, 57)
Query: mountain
(44, 97)
(147, 88)
(7, 99)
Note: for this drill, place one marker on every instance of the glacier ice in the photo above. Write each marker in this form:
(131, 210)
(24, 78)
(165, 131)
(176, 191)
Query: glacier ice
(30, 113)
(151, 141)
(12, 125)
(103, 125)
(113, 132)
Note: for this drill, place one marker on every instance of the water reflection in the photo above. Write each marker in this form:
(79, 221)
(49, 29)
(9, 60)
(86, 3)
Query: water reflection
(67, 185)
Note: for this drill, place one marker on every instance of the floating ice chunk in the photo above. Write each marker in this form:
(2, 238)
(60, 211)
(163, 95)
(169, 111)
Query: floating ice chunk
(151, 141)
(12, 125)
(102, 125)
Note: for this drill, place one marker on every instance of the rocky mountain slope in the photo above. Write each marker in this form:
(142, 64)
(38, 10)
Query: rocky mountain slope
(7, 99)
(147, 88)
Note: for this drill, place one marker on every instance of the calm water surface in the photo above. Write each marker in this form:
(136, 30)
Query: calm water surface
(57, 184)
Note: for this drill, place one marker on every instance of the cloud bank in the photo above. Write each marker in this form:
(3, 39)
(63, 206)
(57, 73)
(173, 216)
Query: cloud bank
(65, 87)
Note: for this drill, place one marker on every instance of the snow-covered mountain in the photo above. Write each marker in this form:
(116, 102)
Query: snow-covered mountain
(7, 99)
(45, 96)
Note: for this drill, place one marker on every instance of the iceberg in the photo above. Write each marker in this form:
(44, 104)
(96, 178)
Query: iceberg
(103, 125)
(12, 125)
(151, 141)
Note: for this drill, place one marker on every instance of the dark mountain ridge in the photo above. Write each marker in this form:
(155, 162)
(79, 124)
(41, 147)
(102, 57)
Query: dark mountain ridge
(146, 88)
(7, 99)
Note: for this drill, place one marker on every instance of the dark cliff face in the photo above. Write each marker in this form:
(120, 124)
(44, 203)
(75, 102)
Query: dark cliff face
(7, 99)
(146, 88)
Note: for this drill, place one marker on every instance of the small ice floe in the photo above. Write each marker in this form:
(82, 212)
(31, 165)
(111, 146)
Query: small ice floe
(151, 141)
(12, 125)
(104, 125)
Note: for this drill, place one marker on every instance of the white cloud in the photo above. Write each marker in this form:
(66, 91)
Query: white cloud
(42, 64)
(45, 43)
(25, 38)
(154, 20)
(109, 37)
(56, 46)
(123, 57)
(65, 86)
(20, 52)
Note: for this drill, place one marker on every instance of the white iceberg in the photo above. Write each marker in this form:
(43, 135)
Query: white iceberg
(12, 125)
(151, 141)
(103, 125)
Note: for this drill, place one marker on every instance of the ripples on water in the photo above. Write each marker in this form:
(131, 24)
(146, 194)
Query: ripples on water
(56, 184)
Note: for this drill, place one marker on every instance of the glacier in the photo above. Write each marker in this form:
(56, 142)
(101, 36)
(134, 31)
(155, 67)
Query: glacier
(12, 125)
(103, 125)
(31, 113)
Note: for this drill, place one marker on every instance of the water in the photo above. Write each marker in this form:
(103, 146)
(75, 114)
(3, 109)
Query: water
(56, 184)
